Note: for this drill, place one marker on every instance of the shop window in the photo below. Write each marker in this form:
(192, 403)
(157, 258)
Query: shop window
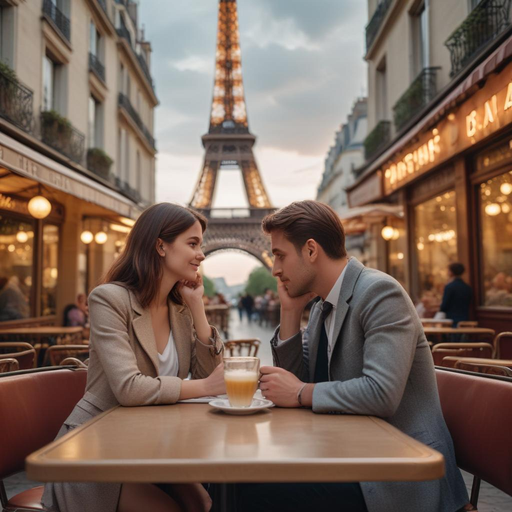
(16, 264)
(50, 272)
(397, 249)
(496, 225)
(435, 238)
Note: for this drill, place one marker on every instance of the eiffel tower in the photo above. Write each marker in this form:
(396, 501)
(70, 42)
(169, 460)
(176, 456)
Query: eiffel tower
(228, 145)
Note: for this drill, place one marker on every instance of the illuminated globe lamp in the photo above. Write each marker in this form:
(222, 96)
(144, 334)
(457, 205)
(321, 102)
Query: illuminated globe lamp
(87, 237)
(492, 209)
(21, 236)
(39, 207)
(506, 188)
(100, 237)
(388, 232)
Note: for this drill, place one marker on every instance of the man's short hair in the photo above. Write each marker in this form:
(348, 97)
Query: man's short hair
(457, 269)
(302, 220)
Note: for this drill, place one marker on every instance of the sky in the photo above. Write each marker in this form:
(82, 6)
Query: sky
(303, 68)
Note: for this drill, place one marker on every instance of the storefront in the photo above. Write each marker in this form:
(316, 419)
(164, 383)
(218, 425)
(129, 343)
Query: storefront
(45, 258)
(452, 174)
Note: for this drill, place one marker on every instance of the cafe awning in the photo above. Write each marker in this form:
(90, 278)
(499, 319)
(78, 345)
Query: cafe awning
(355, 220)
(24, 161)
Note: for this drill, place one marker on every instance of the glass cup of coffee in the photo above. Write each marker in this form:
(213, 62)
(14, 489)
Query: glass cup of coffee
(241, 375)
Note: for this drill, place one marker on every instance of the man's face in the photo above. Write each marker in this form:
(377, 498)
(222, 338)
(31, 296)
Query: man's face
(291, 267)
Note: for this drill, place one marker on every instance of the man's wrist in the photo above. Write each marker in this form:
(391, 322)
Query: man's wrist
(306, 398)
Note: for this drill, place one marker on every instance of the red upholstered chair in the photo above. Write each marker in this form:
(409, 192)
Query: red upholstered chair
(503, 345)
(441, 350)
(33, 406)
(477, 411)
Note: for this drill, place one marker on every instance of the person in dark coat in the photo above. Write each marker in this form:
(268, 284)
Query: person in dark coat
(457, 295)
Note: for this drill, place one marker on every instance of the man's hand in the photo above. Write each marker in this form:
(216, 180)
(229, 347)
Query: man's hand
(292, 303)
(280, 386)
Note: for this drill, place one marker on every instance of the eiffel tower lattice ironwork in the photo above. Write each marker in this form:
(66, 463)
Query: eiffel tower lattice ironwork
(229, 143)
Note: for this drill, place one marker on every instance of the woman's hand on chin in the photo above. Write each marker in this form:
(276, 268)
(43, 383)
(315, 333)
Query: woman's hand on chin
(192, 291)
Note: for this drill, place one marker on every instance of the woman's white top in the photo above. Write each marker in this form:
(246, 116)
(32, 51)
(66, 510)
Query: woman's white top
(168, 359)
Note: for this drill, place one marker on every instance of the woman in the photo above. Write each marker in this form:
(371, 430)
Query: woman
(148, 331)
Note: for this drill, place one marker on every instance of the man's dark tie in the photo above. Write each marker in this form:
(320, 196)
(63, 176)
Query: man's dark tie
(322, 359)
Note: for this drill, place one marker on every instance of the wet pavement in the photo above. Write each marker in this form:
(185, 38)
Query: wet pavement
(490, 500)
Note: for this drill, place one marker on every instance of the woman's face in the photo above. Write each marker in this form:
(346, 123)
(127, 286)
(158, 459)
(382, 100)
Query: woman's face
(183, 256)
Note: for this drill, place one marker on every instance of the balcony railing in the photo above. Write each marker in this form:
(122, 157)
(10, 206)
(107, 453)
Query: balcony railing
(420, 93)
(377, 139)
(15, 101)
(59, 19)
(374, 25)
(145, 69)
(58, 133)
(125, 103)
(126, 189)
(123, 31)
(96, 66)
(484, 24)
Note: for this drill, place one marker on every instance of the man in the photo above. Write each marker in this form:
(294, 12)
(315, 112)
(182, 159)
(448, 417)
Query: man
(364, 353)
(457, 295)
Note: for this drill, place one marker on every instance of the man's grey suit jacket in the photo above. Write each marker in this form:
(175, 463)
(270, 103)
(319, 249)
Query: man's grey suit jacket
(381, 365)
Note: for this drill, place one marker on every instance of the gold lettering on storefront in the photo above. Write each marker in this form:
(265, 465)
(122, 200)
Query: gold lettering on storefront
(414, 162)
(7, 203)
(491, 113)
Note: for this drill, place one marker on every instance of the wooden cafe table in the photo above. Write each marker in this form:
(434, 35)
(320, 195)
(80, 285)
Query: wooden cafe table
(477, 332)
(194, 443)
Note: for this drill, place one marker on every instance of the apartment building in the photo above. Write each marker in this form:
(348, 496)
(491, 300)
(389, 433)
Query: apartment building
(77, 151)
(439, 145)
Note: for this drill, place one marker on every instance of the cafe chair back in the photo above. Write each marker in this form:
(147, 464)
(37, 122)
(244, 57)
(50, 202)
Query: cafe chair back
(503, 345)
(441, 350)
(56, 353)
(489, 369)
(476, 411)
(23, 352)
(236, 348)
(8, 364)
(73, 361)
(33, 406)
(467, 323)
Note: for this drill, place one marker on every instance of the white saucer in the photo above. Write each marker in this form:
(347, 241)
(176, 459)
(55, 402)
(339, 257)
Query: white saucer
(258, 404)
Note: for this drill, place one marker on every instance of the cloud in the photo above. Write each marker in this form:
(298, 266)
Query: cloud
(303, 68)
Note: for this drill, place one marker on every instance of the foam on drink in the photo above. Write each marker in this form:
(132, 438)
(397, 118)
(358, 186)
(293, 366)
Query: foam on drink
(241, 386)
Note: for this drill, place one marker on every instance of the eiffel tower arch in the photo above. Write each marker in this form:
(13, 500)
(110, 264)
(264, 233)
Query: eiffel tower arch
(229, 145)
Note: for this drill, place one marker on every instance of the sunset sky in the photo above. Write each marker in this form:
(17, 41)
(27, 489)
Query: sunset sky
(303, 68)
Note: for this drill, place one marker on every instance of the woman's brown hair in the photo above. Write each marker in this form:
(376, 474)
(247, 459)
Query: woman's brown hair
(303, 220)
(139, 267)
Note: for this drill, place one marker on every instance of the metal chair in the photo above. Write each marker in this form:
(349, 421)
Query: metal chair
(503, 345)
(237, 347)
(56, 353)
(23, 352)
(73, 361)
(9, 364)
(441, 350)
(488, 369)
(467, 323)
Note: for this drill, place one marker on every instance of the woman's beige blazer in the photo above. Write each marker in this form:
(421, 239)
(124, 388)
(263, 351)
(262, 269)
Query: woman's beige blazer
(123, 369)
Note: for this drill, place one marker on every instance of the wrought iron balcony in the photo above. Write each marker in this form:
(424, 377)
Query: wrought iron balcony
(377, 139)
(126, 189)
(59, 133)
(58, 18)
(96, 66)
(145, 69)
(374, 25)
(15, 101)
(123, 31)
(125, 103)
(420, 93)
(484, 24)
